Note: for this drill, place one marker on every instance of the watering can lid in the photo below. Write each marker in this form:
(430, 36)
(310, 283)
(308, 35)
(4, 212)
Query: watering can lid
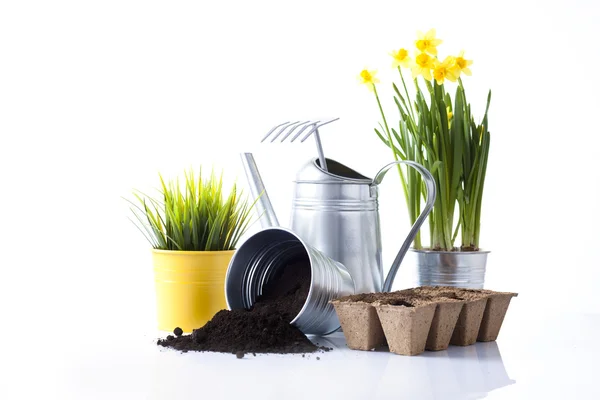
(311, 172)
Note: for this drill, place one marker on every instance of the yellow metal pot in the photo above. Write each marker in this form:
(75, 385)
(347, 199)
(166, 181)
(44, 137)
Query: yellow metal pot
(189, 287)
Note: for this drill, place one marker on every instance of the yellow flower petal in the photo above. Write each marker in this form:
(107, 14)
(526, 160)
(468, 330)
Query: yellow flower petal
(400, 57)
(430, 34)
(423, 60)
(427, 43)
(416, 71)
(426, 74)
(368, 78)
(463, 64)
(450, 61)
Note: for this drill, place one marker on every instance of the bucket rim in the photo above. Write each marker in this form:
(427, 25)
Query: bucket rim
(302, 242)
(458, 253)
(308, 249)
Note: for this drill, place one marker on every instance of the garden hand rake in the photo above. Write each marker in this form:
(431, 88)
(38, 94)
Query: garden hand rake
(290, 127)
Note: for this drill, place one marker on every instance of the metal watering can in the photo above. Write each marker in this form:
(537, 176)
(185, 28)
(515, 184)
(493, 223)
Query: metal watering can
(335, 221)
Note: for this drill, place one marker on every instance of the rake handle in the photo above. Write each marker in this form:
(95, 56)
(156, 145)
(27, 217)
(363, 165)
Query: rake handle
(322, 160)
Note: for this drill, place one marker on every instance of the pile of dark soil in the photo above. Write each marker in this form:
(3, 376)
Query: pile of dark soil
(265, 328)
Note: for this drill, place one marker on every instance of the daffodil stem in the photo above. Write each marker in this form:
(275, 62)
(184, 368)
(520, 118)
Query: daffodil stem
(414, 179)
(389, 137)
(410, 109)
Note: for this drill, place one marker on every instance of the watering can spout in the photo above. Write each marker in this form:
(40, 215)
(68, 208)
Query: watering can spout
(264, 208)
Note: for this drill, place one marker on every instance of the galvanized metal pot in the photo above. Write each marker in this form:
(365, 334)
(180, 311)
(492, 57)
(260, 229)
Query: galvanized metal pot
(263, 254)
(451, 268)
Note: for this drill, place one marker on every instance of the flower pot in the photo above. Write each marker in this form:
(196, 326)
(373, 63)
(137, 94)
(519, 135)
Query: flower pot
(469, 320)
(406, 327)
(465, 269)
(189, 287)
(443, 323)
(470, 317)
(360, 325)
(487, 326)
(493, 316)
(446, 315)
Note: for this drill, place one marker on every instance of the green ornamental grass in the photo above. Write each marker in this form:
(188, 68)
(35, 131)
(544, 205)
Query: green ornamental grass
(195, 216)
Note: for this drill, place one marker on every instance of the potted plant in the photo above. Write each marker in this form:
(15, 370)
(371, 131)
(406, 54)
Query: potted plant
(439, 131)
(193, 229)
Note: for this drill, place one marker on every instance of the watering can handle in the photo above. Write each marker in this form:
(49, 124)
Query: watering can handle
(430, 200)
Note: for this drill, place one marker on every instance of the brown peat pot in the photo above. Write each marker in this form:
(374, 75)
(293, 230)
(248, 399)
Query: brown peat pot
(423, 318)
(482, 315)
(406, 322)
(469, 320)
(360, 323)
(493, 316)
(444, 322)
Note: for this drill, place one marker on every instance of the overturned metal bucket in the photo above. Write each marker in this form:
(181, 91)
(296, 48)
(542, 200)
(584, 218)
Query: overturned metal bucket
(263, 254)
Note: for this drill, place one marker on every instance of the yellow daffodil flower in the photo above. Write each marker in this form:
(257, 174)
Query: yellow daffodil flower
(446, 70)
(463, 64)
(401, 58)
(368, 78)
(427, 42)
(424, 63)
(449, 112)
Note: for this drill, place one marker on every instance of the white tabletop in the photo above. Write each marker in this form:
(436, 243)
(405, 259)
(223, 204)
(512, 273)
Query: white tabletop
(536, 356)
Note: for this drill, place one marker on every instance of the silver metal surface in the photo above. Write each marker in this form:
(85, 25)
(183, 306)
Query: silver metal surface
(277, 130)
(335, 223)
(336, 211)
(263, 206)
(260, 257)
(322, 160)
(429, 202)
(451, 268)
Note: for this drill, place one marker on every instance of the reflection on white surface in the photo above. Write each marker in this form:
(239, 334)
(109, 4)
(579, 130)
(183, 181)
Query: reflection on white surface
(141, 370)
(537, 356)
(457, 373)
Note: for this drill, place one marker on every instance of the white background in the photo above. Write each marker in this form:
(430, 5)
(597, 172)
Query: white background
(97, 97)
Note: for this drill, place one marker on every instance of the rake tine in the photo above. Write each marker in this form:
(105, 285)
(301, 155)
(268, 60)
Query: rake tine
(271, 131)
(283, 129)
(302, 130)
(292, 130)
(317, 127)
